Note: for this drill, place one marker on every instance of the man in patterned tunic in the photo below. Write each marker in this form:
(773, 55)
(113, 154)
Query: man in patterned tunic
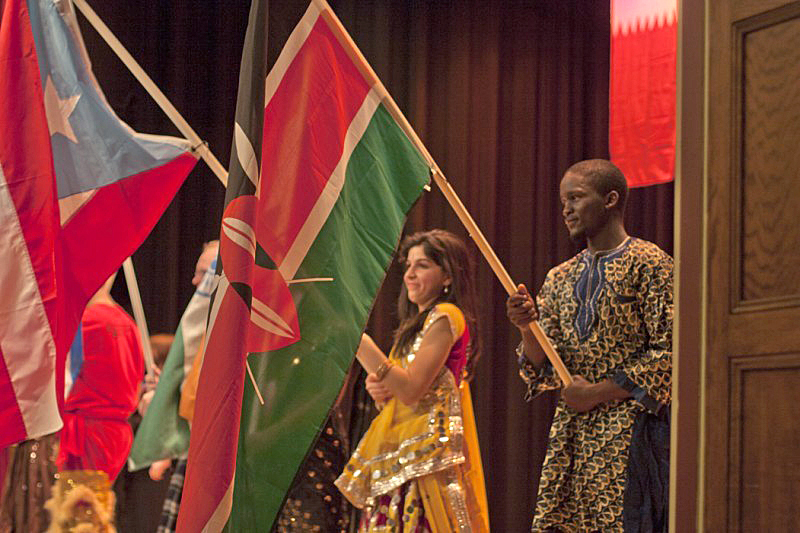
(608, 312)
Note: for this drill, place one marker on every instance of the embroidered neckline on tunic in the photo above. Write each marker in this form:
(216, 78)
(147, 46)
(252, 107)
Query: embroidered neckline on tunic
(590, 285)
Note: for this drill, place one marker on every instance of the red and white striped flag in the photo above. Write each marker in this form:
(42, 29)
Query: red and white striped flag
(79, 192)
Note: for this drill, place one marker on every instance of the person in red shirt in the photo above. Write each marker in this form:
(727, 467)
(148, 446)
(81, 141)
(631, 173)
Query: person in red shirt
(96, 433)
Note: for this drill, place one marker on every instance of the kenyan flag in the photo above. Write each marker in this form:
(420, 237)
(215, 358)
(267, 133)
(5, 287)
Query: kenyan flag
(321, 180)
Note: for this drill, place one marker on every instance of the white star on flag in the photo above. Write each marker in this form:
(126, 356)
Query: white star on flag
(58, 111)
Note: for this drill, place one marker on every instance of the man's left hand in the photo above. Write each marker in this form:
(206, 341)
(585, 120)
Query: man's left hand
(581, 395)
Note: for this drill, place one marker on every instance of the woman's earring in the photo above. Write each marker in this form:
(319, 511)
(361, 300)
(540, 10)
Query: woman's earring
(446, 289)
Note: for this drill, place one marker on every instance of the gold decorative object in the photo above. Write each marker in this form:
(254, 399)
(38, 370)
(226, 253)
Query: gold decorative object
(82, 502)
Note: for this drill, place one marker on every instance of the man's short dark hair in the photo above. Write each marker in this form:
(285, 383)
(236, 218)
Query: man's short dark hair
(605, 177)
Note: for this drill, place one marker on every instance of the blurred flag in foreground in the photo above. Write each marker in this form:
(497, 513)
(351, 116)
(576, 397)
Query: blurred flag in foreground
(79, 192)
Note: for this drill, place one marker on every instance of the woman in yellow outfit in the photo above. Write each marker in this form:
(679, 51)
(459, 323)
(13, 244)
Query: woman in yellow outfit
(418, 469)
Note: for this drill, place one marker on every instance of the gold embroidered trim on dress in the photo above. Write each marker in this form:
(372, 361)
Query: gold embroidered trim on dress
(436, 445)
(458, 502)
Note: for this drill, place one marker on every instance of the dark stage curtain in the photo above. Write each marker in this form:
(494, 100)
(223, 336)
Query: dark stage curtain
(505, 94)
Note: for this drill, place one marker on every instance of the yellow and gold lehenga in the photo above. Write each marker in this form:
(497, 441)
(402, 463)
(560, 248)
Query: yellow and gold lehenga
(418, 467)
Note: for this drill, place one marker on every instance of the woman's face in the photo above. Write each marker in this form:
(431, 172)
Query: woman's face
(424, 279)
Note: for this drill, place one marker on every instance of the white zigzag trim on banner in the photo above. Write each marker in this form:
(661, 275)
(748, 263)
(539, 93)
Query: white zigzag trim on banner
(330, 194)
(241, 233)
(246, 154)
(629, 16)
(290, 49)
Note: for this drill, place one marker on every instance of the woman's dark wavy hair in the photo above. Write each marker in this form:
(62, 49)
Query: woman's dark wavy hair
(450, 253)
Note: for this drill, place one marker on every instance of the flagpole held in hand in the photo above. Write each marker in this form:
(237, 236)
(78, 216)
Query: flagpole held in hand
(452, 198)
(499, 270)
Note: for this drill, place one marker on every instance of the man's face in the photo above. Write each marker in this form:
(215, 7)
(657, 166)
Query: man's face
(583, 209)
(203, 262)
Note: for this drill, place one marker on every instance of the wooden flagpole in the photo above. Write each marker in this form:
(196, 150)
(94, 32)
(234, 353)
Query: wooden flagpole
(138, 314)
(452, 198)
(198, 145)
(366, 70)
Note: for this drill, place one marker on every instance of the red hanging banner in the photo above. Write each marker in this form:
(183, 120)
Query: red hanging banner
(642, 89)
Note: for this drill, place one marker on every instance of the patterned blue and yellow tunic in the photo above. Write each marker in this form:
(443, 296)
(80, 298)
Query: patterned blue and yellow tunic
(609, 316)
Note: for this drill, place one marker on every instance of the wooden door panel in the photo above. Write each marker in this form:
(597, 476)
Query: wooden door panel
(765, 467)
(766, 158)
(751, 477)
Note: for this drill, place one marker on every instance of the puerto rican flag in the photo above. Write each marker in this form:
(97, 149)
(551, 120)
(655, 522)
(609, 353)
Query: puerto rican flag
(79, 192)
